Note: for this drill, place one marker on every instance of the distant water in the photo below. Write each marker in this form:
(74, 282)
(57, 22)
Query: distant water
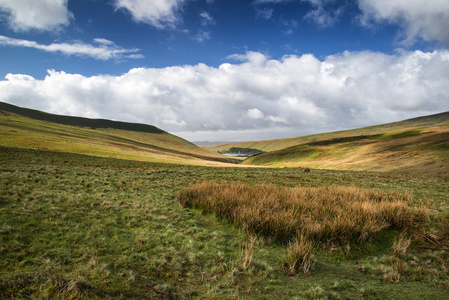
(236, 154)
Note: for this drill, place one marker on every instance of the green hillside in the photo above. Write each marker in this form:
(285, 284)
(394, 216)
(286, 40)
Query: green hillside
(415, 145)
(424, 150)
(441, 119)
(32, 129)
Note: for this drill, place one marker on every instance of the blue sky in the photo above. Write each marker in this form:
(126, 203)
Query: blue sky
(228, 69)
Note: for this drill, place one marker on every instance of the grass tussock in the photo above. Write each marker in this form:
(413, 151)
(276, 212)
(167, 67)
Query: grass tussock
(300, 256)
(444, 224)
(401, 244)
(328, 214)
(246, 254)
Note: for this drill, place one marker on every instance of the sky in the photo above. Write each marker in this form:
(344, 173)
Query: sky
(228, 70)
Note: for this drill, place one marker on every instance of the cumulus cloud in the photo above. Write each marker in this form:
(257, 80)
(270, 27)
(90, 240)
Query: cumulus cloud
(105, 49)
(158, 13)
(47, 15)
(419, 18)
(253, 98)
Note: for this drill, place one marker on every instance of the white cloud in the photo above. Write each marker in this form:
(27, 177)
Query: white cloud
(158, 13)
(47, 15)
(202, 36)
(105, 51)
(428, 20)
(419, 19)
(103, 41)
(322, 14)
(264, 13)
(255, 98)
(255, 113)
(206, 19)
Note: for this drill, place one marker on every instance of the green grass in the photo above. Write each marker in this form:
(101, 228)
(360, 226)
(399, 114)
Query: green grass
(75, 226)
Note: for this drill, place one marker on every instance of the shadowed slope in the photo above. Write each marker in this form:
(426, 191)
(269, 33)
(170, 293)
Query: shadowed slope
(78, 121)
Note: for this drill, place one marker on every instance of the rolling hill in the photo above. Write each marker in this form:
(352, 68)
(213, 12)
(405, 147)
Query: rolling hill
(414, 145)
(419, 148)
(441, 119)
(32, 129)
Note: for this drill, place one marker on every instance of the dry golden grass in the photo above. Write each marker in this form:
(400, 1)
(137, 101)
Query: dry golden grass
(246, 254)
(401, 244)
(329, 214)
(444, 224)
(300, 255)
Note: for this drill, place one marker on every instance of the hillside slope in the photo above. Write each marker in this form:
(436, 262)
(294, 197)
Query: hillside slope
(441, 119)
(424, 150)
(32, 129)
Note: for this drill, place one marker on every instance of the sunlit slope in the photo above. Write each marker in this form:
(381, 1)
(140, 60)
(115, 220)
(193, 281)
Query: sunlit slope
(423, 150)
(26, 128)
(441, 119)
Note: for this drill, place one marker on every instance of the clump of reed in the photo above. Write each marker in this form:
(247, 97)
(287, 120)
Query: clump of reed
(301, 216)
(331, 214)
(300, 255)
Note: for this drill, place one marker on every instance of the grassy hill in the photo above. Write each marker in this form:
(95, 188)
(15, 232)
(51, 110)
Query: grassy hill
(32, 129)
(441, 119)
(415, 145)
(425, 151)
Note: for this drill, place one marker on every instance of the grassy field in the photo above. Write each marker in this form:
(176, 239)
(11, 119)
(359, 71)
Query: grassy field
(75, 226)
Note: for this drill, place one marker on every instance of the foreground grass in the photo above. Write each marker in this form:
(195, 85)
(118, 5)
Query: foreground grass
(74, 227)
(328, 217)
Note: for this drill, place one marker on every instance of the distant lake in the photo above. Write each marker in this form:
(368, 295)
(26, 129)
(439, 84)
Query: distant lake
(236, 154)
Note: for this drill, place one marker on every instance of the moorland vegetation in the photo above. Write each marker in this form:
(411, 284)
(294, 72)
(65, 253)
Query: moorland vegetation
(167, 223)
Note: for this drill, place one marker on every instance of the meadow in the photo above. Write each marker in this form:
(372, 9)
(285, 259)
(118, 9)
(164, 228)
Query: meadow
(83, 227)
